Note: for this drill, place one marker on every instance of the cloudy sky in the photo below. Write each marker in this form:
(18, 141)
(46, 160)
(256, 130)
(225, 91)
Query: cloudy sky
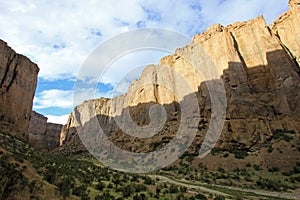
(59, 35)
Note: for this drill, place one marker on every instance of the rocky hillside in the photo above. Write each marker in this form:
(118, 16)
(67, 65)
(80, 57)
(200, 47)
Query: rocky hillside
(18, 79)
(259, 66)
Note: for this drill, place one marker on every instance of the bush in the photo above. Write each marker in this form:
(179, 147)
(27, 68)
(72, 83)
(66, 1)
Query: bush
(173, 189)
(127, 191)
(214, 151)
(100, 186)
(221, 169)
(273, 169)
(240, 154)
(65, 185)
(201, 196)
(80, 190)
(278, 134)
(105, 196)
(219, 198)
(147, 180)
(256, 167)
(139, 187)
(180, 197)
(271, 185)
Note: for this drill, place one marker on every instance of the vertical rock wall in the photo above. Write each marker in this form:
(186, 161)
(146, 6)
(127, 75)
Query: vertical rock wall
(42, 135)
(18, 80)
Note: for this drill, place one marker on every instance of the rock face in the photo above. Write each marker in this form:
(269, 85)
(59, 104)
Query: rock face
(259, 66)
(42, 135)
(287, 29)
(18, 79)
(294, 3)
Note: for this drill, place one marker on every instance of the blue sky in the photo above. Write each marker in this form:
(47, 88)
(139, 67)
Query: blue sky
(59, 36)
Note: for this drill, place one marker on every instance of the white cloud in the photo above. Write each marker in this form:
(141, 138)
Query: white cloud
(53, 98)
(59, 35)
(57, 119)
(64, 99)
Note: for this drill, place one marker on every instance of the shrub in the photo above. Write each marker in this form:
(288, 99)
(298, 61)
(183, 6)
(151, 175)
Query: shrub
(271, 185)
(201, 196)
(273, 169)
(148, 180)
(173, 189)
(240, 154)
(139, 187)
(127, 191)
(283, 134)
(219, 198)
(214, 151)
(221, 169)
(256, 167)
(80, 190)
(226, 155)
(100, 186)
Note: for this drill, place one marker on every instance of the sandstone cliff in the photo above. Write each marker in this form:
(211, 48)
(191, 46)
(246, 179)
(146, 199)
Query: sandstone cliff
(259, 66)
(18, 79)
(42, 135)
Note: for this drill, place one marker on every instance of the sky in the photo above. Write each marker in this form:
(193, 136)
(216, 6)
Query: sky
(60, 35)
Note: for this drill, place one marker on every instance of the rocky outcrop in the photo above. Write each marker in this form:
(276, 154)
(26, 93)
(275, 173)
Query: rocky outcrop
(287, 30)
(258, 64)
(294, 3)
(42, 135)
(261, 81)
(18, 79)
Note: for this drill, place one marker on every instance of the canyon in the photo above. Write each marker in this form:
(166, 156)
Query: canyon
(259, 66)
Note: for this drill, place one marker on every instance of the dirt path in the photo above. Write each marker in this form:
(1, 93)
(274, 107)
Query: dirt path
(201, 187)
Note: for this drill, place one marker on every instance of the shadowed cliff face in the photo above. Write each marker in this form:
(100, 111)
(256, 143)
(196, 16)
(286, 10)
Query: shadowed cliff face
(258, 66)
(254, 111)
(42, 135)
(18, 79)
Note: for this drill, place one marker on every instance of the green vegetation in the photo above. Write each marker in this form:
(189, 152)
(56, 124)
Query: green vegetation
(81, 177)
(75, 176)
(283, 134)
(11, 178)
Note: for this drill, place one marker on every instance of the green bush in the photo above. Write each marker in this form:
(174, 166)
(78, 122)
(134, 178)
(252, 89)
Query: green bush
(226, 155)
(256, 167)
(240, 154)
(214, 151)
(201, 196)
(273, 169)
(100, 186)
(219, 198)
(278, 134)
(147, 180)
(271, 185)
(173, 189)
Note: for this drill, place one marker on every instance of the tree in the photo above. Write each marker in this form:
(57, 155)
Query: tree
(126, 191)
(100, 186)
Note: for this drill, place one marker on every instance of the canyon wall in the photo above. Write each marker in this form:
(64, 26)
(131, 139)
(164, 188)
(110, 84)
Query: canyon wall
(258, 64)
(42, 135)
(18, 80)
